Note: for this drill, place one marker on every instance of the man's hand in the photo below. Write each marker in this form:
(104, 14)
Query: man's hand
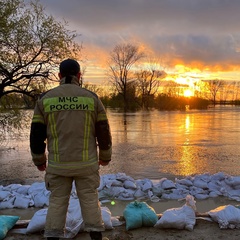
(103, 163)
(42, 167)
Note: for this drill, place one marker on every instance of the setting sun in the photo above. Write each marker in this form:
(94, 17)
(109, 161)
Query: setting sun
(188, 93)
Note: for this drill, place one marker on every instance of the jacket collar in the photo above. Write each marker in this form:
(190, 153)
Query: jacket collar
(74, 81)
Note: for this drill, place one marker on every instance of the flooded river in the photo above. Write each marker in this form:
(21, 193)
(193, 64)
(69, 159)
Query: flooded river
(150, 145)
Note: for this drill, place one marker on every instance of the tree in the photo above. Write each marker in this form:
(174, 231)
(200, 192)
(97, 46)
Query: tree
(32, 44)
(148, 84)
(213, 87)
(122, 59)
(235, 90)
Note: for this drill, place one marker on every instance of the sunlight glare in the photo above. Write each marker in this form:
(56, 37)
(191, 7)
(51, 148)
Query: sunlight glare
(188, 93)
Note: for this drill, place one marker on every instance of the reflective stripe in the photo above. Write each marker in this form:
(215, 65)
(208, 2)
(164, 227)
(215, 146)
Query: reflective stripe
(53, 129)
(37, 119)
(101, 117)
(86, 136)
(71, 165)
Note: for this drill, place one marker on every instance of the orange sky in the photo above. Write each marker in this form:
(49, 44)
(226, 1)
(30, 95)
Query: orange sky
(194, 39)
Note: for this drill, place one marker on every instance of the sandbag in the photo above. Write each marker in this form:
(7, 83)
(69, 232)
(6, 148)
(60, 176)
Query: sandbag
(179, 218)
(37, 223)
(138, 214)
(7, 223)
(226, 216)
(106, 216)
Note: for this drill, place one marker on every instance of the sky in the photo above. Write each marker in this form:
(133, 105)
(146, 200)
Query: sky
(190, 39)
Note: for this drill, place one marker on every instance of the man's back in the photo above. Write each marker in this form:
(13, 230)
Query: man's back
(70, 114)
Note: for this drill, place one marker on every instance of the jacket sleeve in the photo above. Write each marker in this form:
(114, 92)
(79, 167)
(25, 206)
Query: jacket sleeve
(104, 137)
(38, 137)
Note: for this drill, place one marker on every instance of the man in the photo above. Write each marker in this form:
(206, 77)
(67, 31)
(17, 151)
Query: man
(73, 121)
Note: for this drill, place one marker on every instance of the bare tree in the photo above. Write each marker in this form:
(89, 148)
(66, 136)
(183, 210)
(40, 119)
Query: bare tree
(235, 90)
(148, 84)
(31, 46)
(122, 59)
(213, 87)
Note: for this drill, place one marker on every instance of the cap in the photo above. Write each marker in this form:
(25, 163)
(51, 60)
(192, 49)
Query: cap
(69, 67)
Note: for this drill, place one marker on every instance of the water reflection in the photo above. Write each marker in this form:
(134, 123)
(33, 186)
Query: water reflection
(154, 145)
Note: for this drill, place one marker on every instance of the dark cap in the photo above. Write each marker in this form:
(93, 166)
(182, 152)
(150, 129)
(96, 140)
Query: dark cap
(69, 67)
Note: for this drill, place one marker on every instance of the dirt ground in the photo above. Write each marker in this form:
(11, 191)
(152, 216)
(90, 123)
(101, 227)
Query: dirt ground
(202, 230)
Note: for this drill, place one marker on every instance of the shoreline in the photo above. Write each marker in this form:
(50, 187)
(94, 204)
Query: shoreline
(202, 206)
(203, 229)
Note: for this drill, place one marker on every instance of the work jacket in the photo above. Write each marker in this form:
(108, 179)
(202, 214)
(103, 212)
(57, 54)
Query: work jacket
(71, 121)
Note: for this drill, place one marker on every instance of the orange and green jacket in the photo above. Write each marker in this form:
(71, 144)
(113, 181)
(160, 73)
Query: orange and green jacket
(71, 121)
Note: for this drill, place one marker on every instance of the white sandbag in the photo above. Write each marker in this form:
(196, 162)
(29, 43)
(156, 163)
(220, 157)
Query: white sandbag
(116, 222)
(214, 186)
(167, 184)
(7, 203)
(36, 187)
(123, 177)
(41, 198)
(179, 218)
(22, 201)
(186, 181)
(139, 194)
(129, 184)
(181, 186)
(113, 183)
(106, 216)
(197, 190)
(37, 222)
(4, 195)
(226, 216)
(12, 187)
(113, 192)
(175, 194)
(73, 225)
(214, 194)
(201, 196)
(233, 181)
(200, 183)
(102, 183)
(74, 221)
(234, 194)
(127, 194)
(218, 177)
(152, 197)
(74, 207)
(145, 184)
(23, 189)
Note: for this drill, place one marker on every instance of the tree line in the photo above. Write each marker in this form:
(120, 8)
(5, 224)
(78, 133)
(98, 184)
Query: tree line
(32, 45)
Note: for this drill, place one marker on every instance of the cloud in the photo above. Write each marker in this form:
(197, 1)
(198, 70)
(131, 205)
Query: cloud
(202, 32)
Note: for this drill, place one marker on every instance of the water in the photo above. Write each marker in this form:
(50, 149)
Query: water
(151, 145)
(168, 144)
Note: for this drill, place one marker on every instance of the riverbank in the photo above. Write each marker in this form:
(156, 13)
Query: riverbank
(203, 230)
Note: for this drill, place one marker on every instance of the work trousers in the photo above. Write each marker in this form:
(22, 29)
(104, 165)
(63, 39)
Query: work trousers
(86, 181)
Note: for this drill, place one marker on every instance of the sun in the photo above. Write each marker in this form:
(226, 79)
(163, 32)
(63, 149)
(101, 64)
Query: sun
(188, 93)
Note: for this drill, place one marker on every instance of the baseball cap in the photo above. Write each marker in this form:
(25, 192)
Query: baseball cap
(69, 67)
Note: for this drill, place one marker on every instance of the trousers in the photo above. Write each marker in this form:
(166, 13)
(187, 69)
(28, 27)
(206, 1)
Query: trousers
(86, 181)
